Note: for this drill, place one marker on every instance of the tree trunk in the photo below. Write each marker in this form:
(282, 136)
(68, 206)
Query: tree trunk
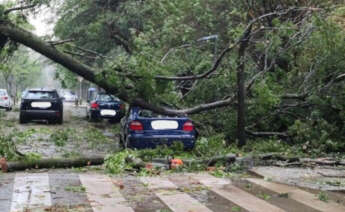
(241, 90)
(54, 163)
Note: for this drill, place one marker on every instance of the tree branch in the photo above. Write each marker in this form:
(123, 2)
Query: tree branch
(60, 42)
(19, 8)
(339, 78)
(32, 41)
(295, 96)
(205, 74)
(225, 51)
(267, 134)
(90, 51)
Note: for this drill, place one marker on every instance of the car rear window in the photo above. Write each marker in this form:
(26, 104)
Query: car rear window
(41, 95)
(106, 98)
(150, 114)
(147, 113)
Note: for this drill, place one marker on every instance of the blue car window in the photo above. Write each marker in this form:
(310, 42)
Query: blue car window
(147, 114)
(150, 114)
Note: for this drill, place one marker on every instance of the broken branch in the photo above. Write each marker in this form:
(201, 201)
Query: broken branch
(19, 8)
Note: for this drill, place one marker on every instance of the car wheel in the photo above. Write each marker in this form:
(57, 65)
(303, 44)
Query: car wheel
(59, 120)
(87, 115)
(93, 118)
(22, 119)
(114, 121)
(8, 109)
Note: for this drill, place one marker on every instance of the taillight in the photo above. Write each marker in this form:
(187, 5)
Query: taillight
(94, 105)
(188, 126)
(5, 97)
(136, 126)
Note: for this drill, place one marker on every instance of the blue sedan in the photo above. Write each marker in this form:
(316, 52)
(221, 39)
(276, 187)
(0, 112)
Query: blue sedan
(145, 129)
(105, 106)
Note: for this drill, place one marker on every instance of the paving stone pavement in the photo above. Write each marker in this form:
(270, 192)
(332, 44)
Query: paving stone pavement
(75, 192)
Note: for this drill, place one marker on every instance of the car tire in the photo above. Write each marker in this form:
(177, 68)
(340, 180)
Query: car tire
(90, 119)
(114, 121)
(8, 109)
(59, 120)
(93, 118)
(87, 115)
(23, 119)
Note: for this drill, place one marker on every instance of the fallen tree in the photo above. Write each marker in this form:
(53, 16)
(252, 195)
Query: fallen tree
(10, 31)
(30, 40)
(246, 162)
(52, 163)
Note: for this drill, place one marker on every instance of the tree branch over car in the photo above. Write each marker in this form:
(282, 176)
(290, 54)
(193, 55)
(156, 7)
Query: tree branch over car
(251, 33)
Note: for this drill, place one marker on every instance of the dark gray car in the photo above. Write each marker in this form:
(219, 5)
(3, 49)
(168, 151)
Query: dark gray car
(41, 104)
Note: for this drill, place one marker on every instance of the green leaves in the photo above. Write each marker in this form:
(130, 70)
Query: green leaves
(116, 163)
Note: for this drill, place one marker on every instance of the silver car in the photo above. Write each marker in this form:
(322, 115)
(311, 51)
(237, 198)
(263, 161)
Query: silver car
(5, 100)
(70, 96)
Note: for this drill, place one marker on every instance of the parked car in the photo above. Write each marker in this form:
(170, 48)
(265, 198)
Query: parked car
(105, 106)
(70, 96)
(5, 100)
(144, 129)
(41, 104)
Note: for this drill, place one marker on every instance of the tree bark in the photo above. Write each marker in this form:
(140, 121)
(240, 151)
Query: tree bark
(54, 163)
(241, 90)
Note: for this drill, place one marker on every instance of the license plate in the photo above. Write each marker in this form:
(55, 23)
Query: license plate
(108, 112)
(164, 125)
(41, 104)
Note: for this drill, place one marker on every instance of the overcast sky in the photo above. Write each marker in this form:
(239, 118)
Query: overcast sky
(43, 21)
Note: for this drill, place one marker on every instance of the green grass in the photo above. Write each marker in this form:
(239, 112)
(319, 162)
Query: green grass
(75, 189)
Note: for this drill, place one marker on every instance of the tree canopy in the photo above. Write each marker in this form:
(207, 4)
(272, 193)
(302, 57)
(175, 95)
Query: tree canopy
(266, 68)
